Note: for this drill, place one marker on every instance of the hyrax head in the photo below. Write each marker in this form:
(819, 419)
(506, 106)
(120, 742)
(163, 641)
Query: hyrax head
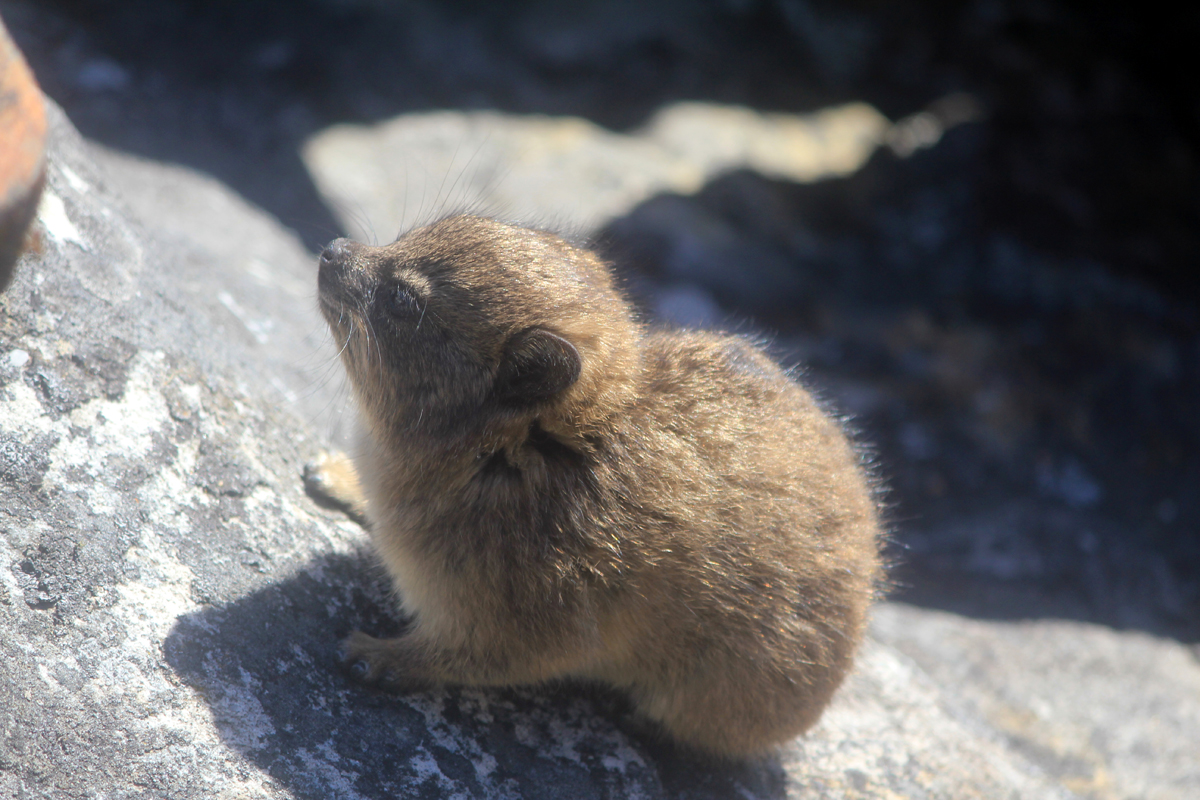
(469, 321)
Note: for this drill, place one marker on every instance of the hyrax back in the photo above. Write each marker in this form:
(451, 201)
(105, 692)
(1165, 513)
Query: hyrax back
(557, 492)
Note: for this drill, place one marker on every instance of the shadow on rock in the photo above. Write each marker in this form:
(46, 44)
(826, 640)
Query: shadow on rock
(267, 665)
(1030, 412)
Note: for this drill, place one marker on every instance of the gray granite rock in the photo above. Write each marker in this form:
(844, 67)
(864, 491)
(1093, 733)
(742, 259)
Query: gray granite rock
(1104, 713)
(150, 445)
(171, 601)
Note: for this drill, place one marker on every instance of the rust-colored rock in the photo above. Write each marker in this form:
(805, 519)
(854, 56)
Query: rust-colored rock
(22, 153)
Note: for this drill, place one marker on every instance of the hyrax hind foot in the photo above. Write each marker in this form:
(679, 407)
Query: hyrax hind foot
(332, 482)
(384, 663)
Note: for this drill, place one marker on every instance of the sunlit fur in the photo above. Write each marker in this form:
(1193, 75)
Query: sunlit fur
(682, 522)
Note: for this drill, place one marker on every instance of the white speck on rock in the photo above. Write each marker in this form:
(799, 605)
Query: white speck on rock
(340, 783)
(9, 588)
(258, 328)
(124, 427)
(426, 767)
(22, 410)
(52, 213)
(77, 183)
(283, 389)
(239, 713)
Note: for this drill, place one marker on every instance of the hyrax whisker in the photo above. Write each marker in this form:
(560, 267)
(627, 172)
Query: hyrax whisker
(421, 319)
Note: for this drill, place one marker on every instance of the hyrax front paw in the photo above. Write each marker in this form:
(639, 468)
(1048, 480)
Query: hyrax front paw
(384, 663)
(332, 482)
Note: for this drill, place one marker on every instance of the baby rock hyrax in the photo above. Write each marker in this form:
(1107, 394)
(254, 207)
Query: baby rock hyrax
(557, 491)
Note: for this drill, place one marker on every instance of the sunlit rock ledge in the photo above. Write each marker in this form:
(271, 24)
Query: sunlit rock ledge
(567, 171)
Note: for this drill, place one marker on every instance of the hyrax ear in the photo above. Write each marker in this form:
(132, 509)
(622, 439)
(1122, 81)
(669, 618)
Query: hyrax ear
(537, 365)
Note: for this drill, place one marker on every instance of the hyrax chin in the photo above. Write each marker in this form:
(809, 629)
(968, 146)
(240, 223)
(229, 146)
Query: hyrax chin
(558, 492)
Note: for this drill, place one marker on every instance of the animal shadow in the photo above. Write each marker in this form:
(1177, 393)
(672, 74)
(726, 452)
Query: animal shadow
(267, 665)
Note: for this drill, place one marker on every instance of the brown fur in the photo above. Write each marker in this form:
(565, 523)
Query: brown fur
(557, 492)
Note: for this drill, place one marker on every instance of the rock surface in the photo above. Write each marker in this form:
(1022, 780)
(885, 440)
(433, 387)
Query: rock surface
(172, 600)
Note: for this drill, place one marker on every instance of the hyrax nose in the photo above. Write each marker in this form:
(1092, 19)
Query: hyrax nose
(336, 264)
(336, 255)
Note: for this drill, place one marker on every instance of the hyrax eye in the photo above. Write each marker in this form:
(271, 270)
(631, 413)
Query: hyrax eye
(401, 300)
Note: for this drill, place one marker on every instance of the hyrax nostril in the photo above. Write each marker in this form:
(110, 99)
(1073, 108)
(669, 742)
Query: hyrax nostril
(335, 266)
(335, 254)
